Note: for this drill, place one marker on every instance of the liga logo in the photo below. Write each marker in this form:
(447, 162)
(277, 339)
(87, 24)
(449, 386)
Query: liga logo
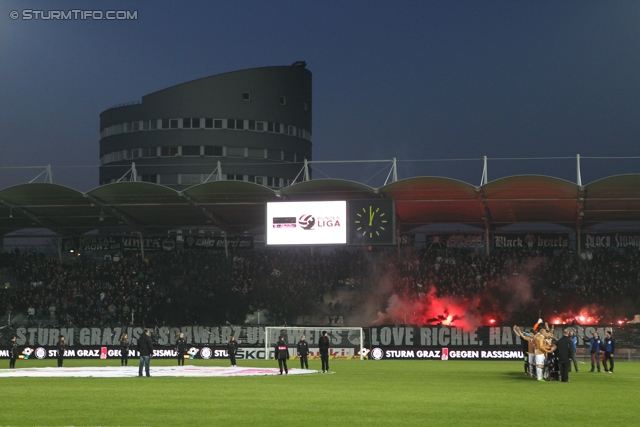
(310, 222)
(306, 221)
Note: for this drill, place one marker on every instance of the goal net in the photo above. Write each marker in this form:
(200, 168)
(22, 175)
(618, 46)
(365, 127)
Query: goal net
(344, 343)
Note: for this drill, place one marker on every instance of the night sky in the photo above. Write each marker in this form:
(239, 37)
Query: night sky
(415, 80)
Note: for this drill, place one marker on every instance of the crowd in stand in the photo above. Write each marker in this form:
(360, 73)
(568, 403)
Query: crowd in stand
(207, 287)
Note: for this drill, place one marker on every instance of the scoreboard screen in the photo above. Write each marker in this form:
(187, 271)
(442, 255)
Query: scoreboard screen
(306, 223)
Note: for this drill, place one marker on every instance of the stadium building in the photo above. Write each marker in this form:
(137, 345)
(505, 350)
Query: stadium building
(250, 125)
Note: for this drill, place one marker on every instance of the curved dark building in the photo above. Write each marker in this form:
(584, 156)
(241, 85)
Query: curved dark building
(255, 123)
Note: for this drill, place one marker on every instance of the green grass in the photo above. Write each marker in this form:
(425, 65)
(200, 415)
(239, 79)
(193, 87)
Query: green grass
(367, 393)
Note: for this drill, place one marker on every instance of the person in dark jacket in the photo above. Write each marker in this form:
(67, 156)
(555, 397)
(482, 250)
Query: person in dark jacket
(564, 351)
(609, 346)
(62, 346)
(303, 353)
(574, 340)
(323, 346)
(181, 349)
(595, 344)
(282, 354)
(145, 348)
(124, 349)
(232, 349)
(13, 353)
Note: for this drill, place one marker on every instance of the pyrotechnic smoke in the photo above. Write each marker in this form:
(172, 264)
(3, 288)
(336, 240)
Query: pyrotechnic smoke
(501, 299)
(588, 315)
(391, 299)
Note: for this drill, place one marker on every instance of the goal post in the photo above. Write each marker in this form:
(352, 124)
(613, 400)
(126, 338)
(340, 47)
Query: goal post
(345, 343)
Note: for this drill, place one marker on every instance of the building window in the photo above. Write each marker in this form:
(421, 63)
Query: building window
(260, 180)
(274, 155)
(235, 124)
(190, 178)
(251, 178)
(273, 181)
(260, 126)
(169, 179)
(148, 178)
(136, 126)
(208, 123)
(255, 153)
(195, 123)
(168, 152)
(283, 100)
(165, 123)
(153, 124)
(145, 125)
(217, 124)
(235, 177)
(235, 152)
(190, 150)
(289, 157)
(186, 123)
(173, 123)
(149, 152)
(212, 151)
(246, 96)
(270, 127)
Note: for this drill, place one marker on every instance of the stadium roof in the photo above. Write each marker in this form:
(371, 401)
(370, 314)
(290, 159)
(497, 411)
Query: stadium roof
(239, 207)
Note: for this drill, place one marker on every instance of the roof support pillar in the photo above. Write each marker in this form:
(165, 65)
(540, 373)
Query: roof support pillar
(393, 173)
(579, 218)
(485, 173)
(486, 216)
(306, 169)
(579, 175)
(217, 171)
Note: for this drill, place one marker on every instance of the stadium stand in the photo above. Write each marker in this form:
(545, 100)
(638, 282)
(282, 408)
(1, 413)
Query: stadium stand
(295, 286)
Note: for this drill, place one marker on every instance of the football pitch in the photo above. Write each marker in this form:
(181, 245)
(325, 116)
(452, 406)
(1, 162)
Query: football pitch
(360, 393)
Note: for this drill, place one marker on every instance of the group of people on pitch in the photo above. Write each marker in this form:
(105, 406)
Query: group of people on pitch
(548, 358)
(282, 352)
(14, 352)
